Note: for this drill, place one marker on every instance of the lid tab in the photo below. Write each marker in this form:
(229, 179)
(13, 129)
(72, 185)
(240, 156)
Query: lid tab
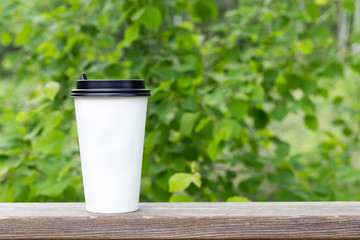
(83, 76)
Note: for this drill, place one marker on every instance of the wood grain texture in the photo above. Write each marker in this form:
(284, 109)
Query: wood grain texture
(275, 220)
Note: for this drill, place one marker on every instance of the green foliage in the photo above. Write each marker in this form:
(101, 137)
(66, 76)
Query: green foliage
(311, 122)
(238, 199)
(131, 33)
(151, 18)
(181, 181)
(180, 198)
(51, 89)
(187, 122)
(229, 83)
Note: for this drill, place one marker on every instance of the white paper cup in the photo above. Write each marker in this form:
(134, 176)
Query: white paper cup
(111, 138)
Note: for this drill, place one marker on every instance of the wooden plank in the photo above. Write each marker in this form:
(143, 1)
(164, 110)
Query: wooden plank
(275, 220)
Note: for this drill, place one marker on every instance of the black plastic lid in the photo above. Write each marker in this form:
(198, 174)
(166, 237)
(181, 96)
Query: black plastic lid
(110, 88)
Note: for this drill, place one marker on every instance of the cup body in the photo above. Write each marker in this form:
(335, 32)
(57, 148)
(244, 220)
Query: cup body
(111, 140)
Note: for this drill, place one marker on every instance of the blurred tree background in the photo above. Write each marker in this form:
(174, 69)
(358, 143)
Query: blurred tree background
(255, 100)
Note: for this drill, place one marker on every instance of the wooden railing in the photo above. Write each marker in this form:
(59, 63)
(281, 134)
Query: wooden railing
(270, 220)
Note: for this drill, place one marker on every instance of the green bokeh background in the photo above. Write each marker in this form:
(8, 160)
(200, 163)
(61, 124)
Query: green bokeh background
(251, 100)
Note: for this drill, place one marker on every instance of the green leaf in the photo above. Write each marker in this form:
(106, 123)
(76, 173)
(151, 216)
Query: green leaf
(137, 14)
(159, 195)
(162, 180)
(323, 92)
(280, 111)
(257, 94)
(196, 179)
(347, 174)
(166, 112)
(339, 121)
(285, 194)
(180, 198)
(53, 187)
(51, 89)
(32, 134)
(269, 160)
(6, 38)
(203, 122)
(225, 131)
(187, 122)
(202, 10)
(338, 100)
(321, 2)
(347, 131)
(137, 66)
(112, 70)
(308, 106)
(24, 35)
(52, 142)
(306, 46)
(282, 150)
(21, 116)
(163, 73)
(312, 10)
(311, 122)
(179, 181)
(131, 34)
(89, 29)
(237, 199)
(261, 119)
(234, 125)
(52, 120)
(151, 18)
(190, 104)
(270, 76)
(65, 170)
(349, 6)
(238, 108)
(214, 149)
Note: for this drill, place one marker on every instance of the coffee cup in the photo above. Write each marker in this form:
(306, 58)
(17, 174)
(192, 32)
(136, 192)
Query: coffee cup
(110, 116)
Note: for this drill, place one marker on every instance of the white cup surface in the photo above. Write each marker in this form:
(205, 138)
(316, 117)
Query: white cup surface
(111, 138)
